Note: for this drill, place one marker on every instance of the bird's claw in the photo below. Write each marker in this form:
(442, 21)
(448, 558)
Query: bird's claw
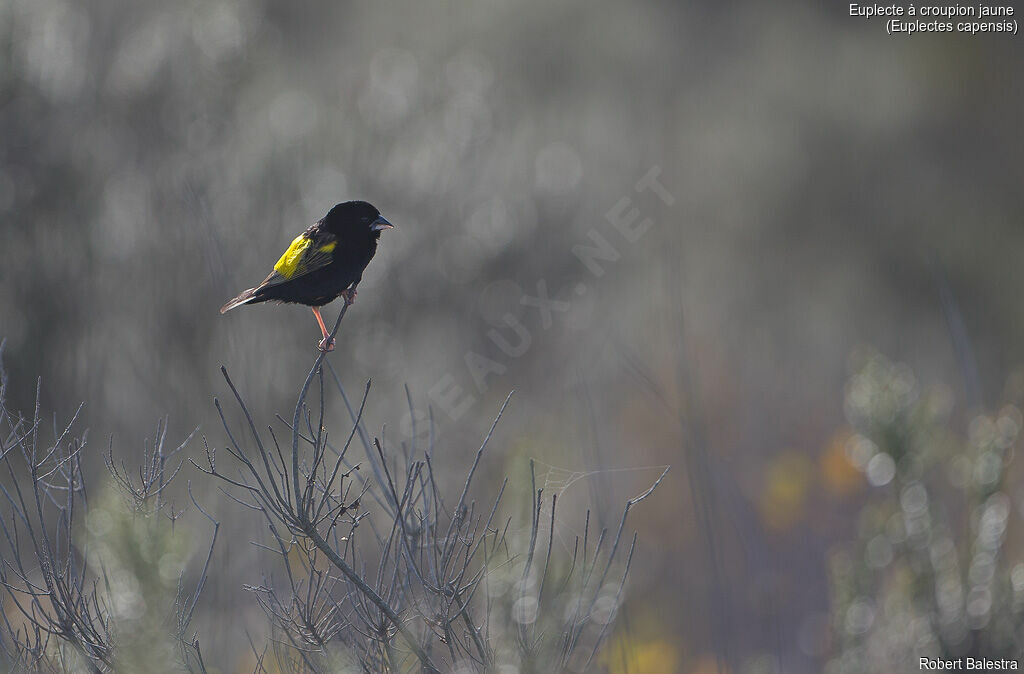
(326, 344)
(349, 295)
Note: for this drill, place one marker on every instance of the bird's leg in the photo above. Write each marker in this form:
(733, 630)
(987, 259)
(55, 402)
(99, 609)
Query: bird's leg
(327, 343)
(350, 295)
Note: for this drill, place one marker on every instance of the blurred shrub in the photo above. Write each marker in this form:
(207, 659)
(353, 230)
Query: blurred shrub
(930, 575)
(141, 559)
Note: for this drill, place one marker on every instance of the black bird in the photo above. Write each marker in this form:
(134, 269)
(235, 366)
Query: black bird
(323, 263)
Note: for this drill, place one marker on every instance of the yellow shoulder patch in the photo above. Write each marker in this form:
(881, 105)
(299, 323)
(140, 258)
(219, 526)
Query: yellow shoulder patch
(289, 262)
(328, 247)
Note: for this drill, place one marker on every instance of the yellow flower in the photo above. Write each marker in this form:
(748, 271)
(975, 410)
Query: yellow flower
(838, 473)
(650, 656)
(784, 490)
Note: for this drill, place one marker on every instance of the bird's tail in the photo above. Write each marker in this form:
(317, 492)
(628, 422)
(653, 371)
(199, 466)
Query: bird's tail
(245, 298)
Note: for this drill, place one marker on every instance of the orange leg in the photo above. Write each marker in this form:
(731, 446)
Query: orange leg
(326, 344)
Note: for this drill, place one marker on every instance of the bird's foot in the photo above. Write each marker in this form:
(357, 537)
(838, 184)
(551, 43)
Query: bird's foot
(349, 295)
(326, 344)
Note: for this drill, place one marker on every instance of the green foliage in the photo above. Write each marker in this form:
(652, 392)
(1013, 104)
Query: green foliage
(141, 558)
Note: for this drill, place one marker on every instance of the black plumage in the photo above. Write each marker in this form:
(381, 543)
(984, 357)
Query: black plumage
(323, 263)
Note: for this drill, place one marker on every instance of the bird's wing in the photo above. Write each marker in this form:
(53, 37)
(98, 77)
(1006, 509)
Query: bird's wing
(308, 252)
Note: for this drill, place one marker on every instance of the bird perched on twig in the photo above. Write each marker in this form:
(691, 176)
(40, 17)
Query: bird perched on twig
(323, 263)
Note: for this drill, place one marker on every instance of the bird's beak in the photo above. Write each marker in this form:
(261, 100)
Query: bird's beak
(380, 224)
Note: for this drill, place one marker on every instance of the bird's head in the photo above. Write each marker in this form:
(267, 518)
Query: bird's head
(355, 219)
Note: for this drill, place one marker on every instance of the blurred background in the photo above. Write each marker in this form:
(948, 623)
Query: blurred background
(812, 186)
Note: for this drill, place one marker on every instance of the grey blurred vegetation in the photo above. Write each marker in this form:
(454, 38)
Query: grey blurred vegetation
(831, 187)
